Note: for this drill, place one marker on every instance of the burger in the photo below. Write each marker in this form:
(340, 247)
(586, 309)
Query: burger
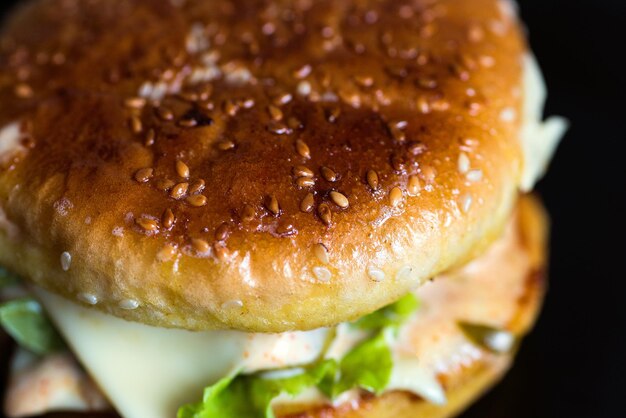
(267, 208)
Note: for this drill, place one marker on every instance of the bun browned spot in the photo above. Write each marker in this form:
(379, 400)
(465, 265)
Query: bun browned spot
(262, 166)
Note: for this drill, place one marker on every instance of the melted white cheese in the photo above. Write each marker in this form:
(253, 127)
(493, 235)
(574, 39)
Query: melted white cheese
(540, 139)
(151, 372)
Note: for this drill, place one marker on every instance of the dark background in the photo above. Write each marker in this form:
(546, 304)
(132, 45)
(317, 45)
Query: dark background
(574, 363)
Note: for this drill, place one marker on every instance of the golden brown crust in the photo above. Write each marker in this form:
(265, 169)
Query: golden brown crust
(466, 384)
(259, 83)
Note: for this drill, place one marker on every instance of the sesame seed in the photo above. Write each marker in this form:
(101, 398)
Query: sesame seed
(135, 102)
(294, 123)
(147, 224)
(129, 304)
(364, 81)
(230, 108)
(463, 163)
(285, 228)
(144, 174)
(197, 186)
(200, 245)
(232, 304)
(278, 128)
(325, 214)
(149, 138)
(197, 200)
(339, 199)
(328, 174)
(164, 114)
(395, 196)
(182, 169)
(440, 105)
(429, 173)
(303, 149)
(302, 171)
(225, 145)
(248, 213)
(416, 148)
(272, 205)
(136, 125)
(187, 123)
(164, 184)
(321, 252)
(282, 99)
(474, 175)
(166, 253)
(305, 182)
(376, 274)
(466, 202)
(333, 114)
(414, 186)
(372, 179)
(66, 260)
(307, 204)
(397, 134)
(221, 252)
(247, 103)
(398, 163)
(303, 71)
(322, 274)
(422, 105)
(222, 232)
(88, 298)
(168, 219)
(179, 191)
(404, 273)
(275, 112)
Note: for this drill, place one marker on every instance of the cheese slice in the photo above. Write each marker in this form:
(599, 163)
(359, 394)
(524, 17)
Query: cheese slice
(150, 372)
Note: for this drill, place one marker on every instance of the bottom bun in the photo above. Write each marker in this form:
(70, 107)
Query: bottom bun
(466, 385)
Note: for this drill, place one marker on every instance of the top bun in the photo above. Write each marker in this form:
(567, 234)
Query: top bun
(255, 165)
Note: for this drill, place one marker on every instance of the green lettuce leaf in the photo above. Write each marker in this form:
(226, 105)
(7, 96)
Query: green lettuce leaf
(251, 396)
(393, 315)
(24, 320)
(367, 366)
(492, 339)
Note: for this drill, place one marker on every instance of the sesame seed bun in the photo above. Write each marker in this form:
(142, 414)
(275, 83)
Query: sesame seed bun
(261, 166)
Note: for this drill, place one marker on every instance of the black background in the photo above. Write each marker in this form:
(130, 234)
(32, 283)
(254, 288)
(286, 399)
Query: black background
(574, 363)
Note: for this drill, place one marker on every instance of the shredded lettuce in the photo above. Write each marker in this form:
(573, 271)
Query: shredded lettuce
(25, 321)
(393, 315)
(367, 366)
(493, 339)
(251, 396)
